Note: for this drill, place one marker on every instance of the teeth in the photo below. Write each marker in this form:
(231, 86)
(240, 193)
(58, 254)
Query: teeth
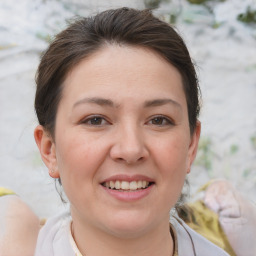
(112, 184)
(125, 185)
(133, 185)
(117, 185)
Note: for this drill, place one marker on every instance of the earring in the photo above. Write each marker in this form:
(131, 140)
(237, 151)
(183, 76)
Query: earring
(54, 173)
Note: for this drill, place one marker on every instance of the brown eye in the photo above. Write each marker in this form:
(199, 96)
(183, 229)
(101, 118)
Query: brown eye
(95, 121)
(160, 121)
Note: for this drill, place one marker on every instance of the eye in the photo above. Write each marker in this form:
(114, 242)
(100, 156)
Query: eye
(95, 121)
(160, 121)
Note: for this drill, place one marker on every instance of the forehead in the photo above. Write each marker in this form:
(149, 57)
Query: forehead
(123, 69)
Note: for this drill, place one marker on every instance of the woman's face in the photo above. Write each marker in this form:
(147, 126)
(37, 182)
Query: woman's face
(122, 140)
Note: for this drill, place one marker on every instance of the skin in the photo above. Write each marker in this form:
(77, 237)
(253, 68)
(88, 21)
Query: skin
(141, 128)
(19, 227)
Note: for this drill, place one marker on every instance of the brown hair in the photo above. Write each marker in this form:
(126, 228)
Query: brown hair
(85, 36)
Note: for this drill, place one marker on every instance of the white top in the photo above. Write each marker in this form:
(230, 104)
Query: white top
(55, 239)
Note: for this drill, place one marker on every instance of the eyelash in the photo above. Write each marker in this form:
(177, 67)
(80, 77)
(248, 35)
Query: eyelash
(94, 118)
(162, 118)
(88, 121)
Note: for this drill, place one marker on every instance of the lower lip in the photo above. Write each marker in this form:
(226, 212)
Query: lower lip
(129, 195)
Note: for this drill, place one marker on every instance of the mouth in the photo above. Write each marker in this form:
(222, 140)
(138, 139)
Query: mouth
(127, 186)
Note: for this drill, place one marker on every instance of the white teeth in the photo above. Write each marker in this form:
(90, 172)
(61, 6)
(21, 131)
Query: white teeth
(139, 184)
(133, 185)
(117, 185)
(126, 185)
(112, 184)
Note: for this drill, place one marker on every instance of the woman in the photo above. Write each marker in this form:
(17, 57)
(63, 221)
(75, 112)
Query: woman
(117, 104)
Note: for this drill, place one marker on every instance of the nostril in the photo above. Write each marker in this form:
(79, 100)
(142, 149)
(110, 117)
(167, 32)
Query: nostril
(128, 153)
(133, 161)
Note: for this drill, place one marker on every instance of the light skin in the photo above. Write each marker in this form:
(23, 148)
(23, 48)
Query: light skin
(123, 116)
(19, 227)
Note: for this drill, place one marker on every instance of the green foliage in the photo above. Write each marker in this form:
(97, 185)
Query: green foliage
(45, 37)
(152, 3)
(246, 173)
(253, 141)
(248, 17)
(194, 15)
(251, 68)
(172, 19)
(203, 13)
(205, 153)
(217, 24)
(233, 149)
(197, 1)
(204, 1)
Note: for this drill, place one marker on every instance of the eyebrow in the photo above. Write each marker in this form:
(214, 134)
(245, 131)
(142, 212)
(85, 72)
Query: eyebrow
(110, 103)
(161, 102)
(97, 101)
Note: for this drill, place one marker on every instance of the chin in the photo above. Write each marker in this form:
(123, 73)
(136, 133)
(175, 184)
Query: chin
(128, 225)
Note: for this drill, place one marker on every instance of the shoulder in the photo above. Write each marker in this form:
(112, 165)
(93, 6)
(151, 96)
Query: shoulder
(189, 241)
(53, 239)
(19, 226)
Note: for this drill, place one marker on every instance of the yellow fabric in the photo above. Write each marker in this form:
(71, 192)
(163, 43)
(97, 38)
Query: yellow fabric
(175, 242)
(205, 222)
(206, 185)
(5, 191)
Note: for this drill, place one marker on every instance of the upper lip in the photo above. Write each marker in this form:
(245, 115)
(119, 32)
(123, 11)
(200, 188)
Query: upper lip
(129, 178)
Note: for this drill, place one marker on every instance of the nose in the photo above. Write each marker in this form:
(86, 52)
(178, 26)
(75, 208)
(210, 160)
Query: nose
(129, 145)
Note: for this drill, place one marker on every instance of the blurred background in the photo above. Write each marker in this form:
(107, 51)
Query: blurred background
(221, 37)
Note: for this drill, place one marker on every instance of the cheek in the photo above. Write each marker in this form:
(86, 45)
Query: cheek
(78, 156)
(171, 157)
(78, 161)
(173, 164)
(172, 154)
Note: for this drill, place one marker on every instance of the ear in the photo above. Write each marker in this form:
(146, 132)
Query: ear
(47, 150)
(193, 145)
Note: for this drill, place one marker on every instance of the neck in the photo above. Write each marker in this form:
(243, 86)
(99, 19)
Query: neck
(97, 242)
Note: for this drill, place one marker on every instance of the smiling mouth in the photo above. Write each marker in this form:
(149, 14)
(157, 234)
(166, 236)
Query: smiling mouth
(126, 186)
